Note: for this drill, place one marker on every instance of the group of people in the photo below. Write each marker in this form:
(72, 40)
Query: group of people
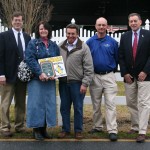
(91, 64)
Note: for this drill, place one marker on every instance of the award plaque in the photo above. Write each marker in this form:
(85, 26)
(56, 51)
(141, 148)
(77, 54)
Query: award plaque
(53, 66)
(47, 68)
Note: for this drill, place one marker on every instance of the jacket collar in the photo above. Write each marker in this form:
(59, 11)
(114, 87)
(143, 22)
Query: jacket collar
(78, 45)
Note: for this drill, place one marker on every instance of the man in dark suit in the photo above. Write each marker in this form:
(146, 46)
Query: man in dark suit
(134, 57)
(11, 54)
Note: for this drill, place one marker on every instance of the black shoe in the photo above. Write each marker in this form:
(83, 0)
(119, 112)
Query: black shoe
(37, 134)
(95, 131)
(45, 134)
(113, 136)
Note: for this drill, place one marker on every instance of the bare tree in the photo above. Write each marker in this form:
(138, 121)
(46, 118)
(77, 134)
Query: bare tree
(33, 10)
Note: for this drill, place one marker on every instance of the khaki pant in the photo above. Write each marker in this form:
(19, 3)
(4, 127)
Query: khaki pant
(8, 91)
(138, 102)
(104, 84)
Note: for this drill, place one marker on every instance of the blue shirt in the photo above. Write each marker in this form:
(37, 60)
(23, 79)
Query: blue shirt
(104, 53)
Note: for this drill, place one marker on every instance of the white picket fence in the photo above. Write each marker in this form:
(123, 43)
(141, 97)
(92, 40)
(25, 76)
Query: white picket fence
(60, 35)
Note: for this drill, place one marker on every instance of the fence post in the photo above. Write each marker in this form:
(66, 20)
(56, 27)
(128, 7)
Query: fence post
(147, 26)
(73, 21)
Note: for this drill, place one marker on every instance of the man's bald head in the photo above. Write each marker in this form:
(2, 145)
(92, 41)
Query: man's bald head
(101, 20)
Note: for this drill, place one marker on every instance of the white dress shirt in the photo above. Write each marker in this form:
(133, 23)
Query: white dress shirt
(21, 37)
(71, 46)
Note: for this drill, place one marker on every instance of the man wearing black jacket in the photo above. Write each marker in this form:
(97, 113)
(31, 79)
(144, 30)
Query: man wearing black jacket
(10, 56)
(134, 57)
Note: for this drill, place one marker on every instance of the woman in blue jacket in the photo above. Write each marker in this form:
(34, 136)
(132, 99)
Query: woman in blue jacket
(41, 104)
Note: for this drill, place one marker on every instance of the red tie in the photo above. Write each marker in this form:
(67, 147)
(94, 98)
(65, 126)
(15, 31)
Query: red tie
(135, 43)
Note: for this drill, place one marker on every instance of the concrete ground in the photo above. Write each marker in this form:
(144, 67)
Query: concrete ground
(67, 144)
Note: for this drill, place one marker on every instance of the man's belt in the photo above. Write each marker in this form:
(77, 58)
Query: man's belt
(102, 73)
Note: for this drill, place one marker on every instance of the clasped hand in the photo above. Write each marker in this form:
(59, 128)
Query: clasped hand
(44, 77)
(141, 77)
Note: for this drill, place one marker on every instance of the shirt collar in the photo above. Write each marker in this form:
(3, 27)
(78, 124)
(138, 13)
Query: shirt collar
(138, 31)
(15, 31)
(73, 44)
(100, 39)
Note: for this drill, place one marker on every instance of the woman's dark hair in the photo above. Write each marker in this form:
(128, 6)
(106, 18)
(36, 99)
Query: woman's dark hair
(46, 26)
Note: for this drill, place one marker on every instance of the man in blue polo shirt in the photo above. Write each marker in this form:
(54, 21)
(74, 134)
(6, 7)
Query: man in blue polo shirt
(104, 50)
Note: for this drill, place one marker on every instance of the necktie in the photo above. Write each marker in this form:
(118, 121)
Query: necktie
(135, 43)
(20, 46)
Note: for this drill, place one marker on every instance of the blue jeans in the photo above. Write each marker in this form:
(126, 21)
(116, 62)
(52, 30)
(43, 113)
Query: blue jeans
(70, 93)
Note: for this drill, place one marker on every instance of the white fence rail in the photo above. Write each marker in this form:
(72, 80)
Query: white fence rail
(60, 35)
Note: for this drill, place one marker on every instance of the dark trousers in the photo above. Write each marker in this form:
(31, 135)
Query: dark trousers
(70, 93)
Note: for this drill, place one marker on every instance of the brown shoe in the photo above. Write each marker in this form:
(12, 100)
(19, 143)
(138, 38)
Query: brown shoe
(141, 138)
(78, 135)
(6, 133)
(63, 135)
(132, 131)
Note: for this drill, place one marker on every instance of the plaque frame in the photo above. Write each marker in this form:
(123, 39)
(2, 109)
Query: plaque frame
(53, 66)
(47, 68)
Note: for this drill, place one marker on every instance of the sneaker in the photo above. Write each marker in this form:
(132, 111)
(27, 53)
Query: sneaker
(95, 131)
(141, 138)
(113, 136)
